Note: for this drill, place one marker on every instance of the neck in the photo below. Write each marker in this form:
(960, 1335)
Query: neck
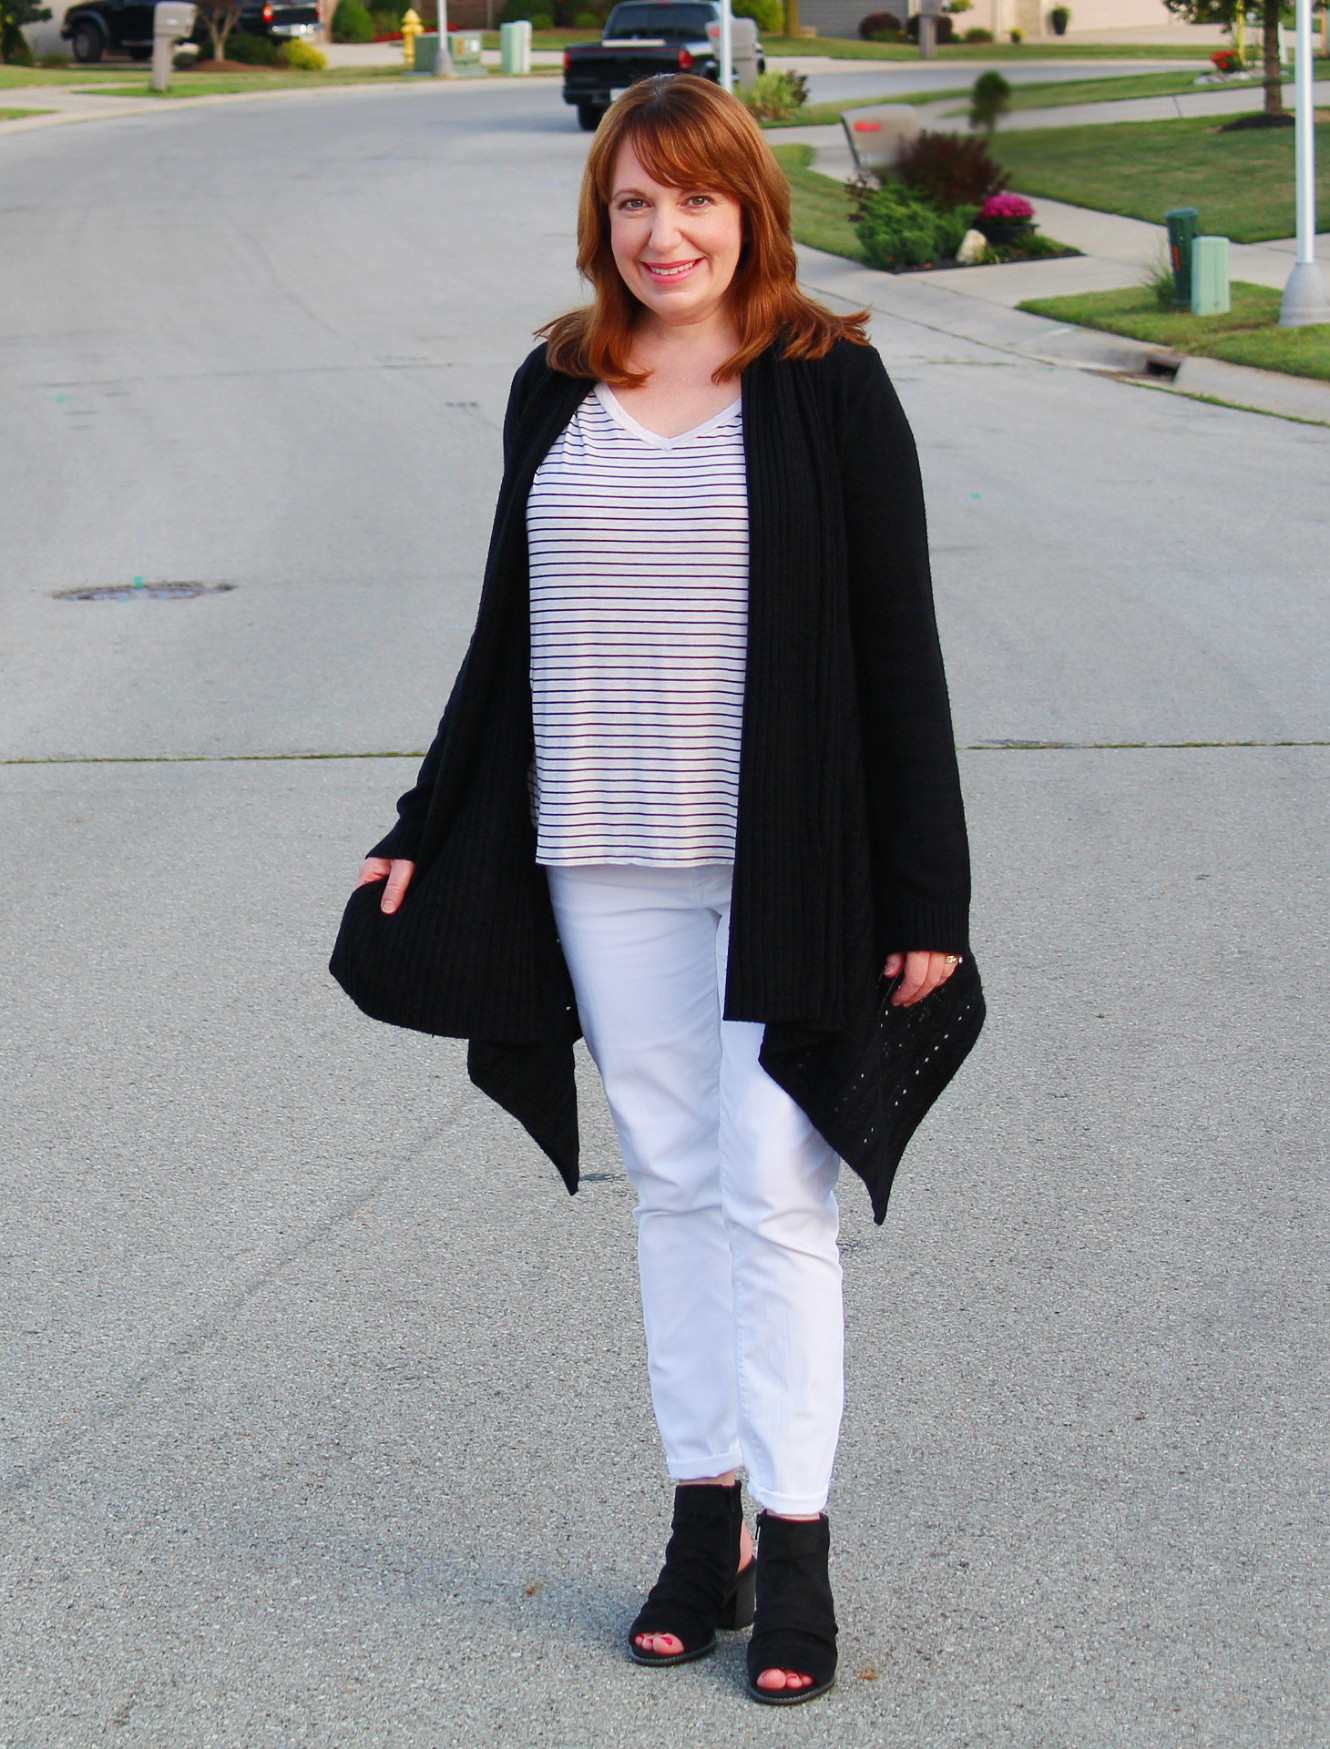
(714, 334)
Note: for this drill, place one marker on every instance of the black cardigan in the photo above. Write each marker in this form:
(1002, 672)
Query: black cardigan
(851, 835)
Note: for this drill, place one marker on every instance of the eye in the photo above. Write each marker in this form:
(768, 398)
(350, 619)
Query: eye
(696, 200)
(629, 204)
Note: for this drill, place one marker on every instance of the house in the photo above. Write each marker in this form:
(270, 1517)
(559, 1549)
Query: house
(841, 17)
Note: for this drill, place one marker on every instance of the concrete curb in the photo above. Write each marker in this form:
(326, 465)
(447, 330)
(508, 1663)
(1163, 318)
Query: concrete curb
(1266, 391)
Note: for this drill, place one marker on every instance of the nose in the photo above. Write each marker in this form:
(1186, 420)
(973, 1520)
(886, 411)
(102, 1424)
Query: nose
(664, 231)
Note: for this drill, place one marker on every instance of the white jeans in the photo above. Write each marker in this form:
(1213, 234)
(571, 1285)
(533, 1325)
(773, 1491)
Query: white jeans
(737, 1217)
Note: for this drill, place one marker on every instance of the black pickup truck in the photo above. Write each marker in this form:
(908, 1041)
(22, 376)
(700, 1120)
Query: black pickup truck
(643, 37)
(92, 27)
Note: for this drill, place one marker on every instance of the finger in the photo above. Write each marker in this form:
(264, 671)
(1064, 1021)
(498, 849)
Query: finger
(934, 970)
(398, 881)
(893, 966)
(374, 868)
(913, 979)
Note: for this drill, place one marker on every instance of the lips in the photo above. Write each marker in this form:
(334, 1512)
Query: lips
(665, 271)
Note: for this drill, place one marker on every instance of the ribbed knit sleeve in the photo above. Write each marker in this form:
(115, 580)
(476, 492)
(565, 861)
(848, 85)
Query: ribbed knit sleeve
(413, 807)
(916, 816)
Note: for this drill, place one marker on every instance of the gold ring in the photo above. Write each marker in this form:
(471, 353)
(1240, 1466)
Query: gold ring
(953, 959)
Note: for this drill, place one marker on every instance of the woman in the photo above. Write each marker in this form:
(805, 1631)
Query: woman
(696, 792)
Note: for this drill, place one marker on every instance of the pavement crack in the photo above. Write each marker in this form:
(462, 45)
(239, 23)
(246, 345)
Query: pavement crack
(994, 746)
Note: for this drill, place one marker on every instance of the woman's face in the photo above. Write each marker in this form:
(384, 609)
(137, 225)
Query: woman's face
(677, 248)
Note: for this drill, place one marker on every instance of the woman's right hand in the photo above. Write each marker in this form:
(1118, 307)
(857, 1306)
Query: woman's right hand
(396, 873)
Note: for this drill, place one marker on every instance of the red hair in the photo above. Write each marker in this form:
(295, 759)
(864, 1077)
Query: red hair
(688, 133)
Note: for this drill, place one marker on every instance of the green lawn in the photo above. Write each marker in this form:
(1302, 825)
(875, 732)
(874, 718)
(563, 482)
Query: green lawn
(1055, 95)
(1242, 182)
(1249, 334)
(12, 78)
(19, 114)
(1047, 94)
(259, 79)
(819, 206)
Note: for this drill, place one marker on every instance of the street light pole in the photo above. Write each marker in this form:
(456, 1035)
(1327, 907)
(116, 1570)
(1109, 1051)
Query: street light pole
(726, 46)
(443, 57)
(1305, 300)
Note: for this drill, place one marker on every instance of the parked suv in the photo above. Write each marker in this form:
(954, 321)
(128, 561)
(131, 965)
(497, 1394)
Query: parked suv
(91, 27)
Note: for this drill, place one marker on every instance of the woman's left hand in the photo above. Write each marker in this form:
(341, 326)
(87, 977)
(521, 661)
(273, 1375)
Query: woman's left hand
(923, 973)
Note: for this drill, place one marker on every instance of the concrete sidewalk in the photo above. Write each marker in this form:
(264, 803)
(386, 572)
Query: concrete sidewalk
(947, 303)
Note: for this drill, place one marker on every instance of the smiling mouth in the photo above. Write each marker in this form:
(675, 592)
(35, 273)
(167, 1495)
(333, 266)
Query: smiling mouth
(668, 270)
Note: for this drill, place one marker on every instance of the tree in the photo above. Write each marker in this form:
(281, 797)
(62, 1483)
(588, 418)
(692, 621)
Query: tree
(220, 17)
(989, 100)
(14, 14)
(1225, 12)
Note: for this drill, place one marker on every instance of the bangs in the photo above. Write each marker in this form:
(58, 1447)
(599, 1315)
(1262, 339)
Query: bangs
(674, 151)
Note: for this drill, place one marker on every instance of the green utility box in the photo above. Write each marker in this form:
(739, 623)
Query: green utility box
(515, 46)
(1209, 277)
(465, 45)
(427, 48)
(1183, 224)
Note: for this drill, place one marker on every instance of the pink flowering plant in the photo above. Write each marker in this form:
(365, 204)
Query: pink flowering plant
(1227, 60)
(1008, 208)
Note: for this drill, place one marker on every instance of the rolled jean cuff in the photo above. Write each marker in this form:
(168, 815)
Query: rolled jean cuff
(697, 1470)
(785, 1505)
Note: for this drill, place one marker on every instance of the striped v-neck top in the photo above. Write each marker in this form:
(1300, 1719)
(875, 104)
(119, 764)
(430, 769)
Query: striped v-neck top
(639, 609)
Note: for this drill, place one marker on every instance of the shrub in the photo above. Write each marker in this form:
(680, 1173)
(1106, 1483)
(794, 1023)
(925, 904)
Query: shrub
(1060, 18)
(253, 51)
(951, 170)
(880, 27)
(990, 100)
(1017, 36)
(302, 55)
(900, 228)
(775, 96)
(1158, 278)
(352, 23)
(945, 32)
(586, 21)
(56, 59)
(767, 15)
(977, 34)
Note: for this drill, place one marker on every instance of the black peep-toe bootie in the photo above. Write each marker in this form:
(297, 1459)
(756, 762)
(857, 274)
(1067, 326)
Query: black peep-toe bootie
(796, 1623)
(700, 1587)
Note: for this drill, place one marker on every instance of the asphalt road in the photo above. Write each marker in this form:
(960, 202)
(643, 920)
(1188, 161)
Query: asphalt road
(324, 1414)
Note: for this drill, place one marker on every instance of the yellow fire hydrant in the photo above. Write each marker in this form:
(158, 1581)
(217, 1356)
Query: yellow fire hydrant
(411, 29)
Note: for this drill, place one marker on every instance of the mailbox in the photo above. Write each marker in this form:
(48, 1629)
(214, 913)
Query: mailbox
(878, 135)
(743, 47)
(172, 21)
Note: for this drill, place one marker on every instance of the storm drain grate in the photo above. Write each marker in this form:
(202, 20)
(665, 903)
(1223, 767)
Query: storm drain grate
(138, 590)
